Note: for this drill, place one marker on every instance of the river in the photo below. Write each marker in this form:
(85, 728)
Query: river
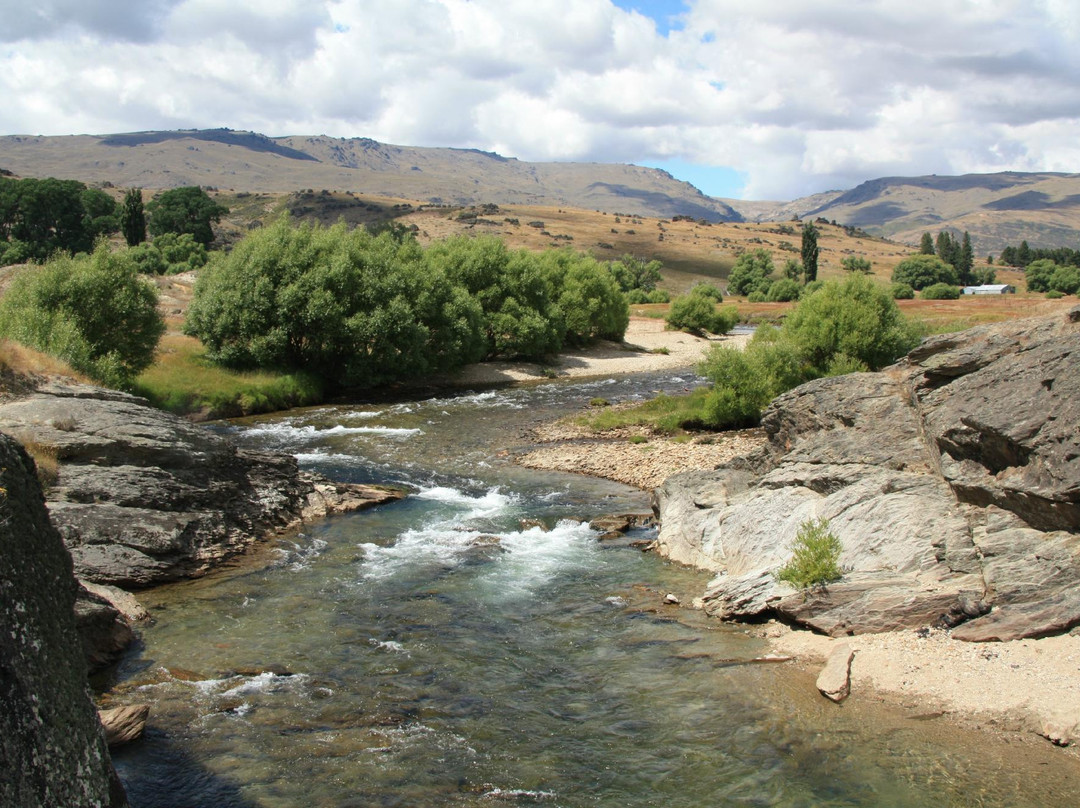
(440, 652)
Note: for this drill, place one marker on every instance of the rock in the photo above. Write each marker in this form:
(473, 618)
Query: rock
(103, 630)
(672, 600)
(144, 497)
(51, 743)
(952, 480)
(834, 681)
(124, 724)
(124, 602)
(1060, 726)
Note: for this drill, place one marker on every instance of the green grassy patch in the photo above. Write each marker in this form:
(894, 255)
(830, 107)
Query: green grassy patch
(667, 415)
(182, 381)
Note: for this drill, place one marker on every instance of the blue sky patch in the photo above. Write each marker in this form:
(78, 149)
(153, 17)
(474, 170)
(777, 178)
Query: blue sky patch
(663, 12)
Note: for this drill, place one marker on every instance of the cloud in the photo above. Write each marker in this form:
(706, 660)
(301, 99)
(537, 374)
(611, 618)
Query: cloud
(798, 97)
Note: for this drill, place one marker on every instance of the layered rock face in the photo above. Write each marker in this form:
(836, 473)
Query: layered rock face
(51, 742)
(145, 497)
(952, 480)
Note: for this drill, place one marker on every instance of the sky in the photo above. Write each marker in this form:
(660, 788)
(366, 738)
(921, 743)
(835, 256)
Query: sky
(750, 99)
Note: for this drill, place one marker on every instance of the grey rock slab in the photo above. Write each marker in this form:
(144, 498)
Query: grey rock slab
(834, 681)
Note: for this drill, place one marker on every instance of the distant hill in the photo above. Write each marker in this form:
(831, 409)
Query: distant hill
(246, 161)
(996, 209)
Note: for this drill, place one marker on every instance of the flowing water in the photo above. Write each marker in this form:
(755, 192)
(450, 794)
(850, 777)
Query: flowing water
(439, 652)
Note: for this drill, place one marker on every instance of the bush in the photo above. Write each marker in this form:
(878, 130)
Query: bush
(659, 296)
(920, 271)
(940, 291)
(902, 291)
(856, 317)
(707, 290)
(1054, 294)
(185, 210)
(756, 296)
(94, 312)
(1037, 275)
(783, 291)
(1066, 280)
(697, 314)
(751, 273)
(855, 263)
(815, 556)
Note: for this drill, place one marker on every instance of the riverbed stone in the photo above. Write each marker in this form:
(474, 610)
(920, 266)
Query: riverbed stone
(123, 725)
(834, 681)
(952, 480)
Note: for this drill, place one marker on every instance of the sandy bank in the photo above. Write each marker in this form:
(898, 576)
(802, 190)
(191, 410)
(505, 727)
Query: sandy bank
(634, 355)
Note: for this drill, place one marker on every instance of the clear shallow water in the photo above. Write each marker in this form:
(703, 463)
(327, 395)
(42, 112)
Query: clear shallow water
(440, 653)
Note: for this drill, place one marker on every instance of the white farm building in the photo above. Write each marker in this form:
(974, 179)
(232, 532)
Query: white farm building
(990, 289)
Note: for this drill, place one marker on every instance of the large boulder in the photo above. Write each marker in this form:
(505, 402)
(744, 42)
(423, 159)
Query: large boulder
(143, 497)
(51, 742)
(952, 480)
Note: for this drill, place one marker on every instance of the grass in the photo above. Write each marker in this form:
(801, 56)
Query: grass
(24, 361)
(666, 415)
(184, 382)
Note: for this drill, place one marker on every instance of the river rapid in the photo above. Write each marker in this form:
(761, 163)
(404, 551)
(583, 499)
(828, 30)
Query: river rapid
(446, 650)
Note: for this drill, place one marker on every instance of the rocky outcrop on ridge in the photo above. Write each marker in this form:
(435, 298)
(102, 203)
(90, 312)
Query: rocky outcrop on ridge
(144, 497)
(51, 742)
(952, 480)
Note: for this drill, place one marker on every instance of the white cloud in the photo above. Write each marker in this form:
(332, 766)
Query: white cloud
(797, 96)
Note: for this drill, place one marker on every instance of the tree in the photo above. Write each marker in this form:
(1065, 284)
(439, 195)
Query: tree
(751, 273)
(966, 260)
(133, 218)
(926, 247)
(94, 312)
(855, 263)
(793, 270)
(41, 217)
(940, 291)
(920, 271)
(947, 248)
(783, 290)
(696, 313)
(1038, 273)
(636, 273)
(810, 251)
(1066, 280)
(185, 210)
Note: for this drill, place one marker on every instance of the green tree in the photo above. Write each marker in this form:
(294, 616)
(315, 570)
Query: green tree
(94, 312)
(1066, 280)
(185, 210)
(587, 295)
(696, 313)
(783, 290)
(920, 271)
(41, 217)
(133, 218)
(810, 251)
(855, 263)
(353, 309)
(947, 248)
(636, 273)
(1037, 274)
(940, 291)
(926, 247)
(793, 270)
(966, 260)
(751, 273)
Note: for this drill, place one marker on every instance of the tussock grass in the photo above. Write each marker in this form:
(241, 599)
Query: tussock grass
(184, 382)
(25, 361)
(666, 415)
(46, 459)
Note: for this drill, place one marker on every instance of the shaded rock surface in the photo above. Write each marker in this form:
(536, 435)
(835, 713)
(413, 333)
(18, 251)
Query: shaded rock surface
(51, 743)
(145, 497)
(124, 724)
(952, 480)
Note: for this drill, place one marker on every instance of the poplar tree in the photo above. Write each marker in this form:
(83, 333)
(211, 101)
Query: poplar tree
(810, 251)
(133, 218)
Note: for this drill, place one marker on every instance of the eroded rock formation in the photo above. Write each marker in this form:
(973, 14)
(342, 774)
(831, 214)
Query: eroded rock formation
(145, 497)
(51, 742)
(952, 480)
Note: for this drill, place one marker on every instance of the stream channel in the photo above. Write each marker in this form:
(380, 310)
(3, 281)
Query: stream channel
(435, 652)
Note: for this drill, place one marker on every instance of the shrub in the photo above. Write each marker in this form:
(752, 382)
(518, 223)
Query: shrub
(855, 263)
(856, 317)
(902, 291)
(783, 290)
(659, 296)
(697, 314)
(1066, 280)
(815, 556)
(1054, 294)
(94, 312)
(940, 291)
(756, 296)
(751, 273)
(1037, 275)
(707, 290)
(920, 271)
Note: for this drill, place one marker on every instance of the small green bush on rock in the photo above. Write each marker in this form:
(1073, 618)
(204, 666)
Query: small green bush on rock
(815, 556)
